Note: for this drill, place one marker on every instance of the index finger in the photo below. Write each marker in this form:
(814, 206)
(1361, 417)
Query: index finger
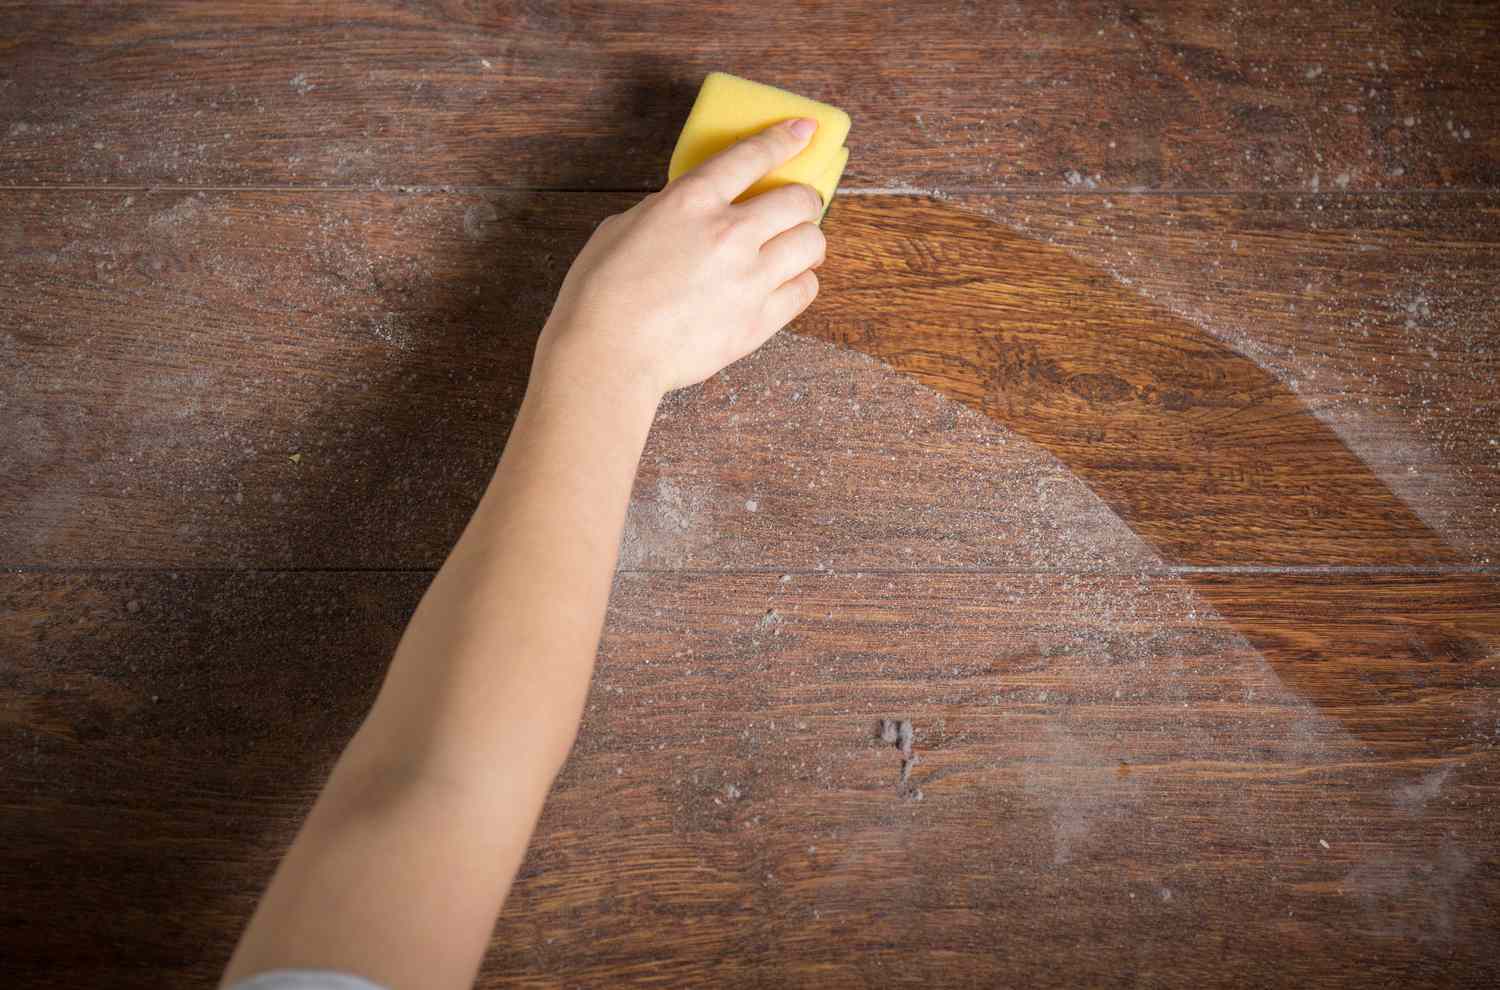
(737, 168)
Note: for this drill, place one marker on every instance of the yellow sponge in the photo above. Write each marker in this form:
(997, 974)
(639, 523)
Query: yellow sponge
(730, 109)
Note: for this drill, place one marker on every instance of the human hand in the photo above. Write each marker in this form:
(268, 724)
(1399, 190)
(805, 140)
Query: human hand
(687, 281)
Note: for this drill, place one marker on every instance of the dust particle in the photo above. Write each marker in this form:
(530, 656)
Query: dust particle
(479, 221)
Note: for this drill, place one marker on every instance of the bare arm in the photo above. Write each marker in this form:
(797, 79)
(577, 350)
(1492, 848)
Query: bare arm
(403, 864)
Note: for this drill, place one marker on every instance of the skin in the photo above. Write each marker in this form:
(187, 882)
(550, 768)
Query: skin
(404, 862)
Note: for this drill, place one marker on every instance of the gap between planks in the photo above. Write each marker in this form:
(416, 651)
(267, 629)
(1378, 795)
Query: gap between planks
(1170, 570)
(892, 191)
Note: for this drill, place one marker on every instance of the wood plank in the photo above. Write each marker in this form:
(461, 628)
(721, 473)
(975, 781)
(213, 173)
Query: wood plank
(1378, 312)
(168, 354)
(1208, 455)
(1115, 784)
(165, 354)
(1371, 650)
(1163, 95)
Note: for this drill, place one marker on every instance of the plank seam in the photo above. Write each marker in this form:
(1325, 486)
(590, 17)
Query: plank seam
(892, 191)
(1171, 570)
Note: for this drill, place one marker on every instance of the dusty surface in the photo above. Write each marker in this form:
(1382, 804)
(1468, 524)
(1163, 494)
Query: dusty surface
(1158, 643)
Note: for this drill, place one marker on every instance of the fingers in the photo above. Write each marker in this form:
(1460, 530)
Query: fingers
(780, 209)
(737, 168)
(792, 252)
(786, 303)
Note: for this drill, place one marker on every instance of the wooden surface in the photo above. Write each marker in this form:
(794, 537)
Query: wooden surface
(1141, 450)
(1115, 787)
(1162, 95)
(394, 331)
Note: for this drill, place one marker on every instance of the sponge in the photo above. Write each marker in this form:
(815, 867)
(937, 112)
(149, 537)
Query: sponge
(730, 109)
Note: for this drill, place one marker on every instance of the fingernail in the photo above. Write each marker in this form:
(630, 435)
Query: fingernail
(803, 127)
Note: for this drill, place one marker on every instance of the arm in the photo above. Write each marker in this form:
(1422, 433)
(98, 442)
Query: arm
(403, 864)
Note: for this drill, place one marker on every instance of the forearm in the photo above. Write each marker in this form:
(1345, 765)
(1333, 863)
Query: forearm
(496, 661)
(479, 707)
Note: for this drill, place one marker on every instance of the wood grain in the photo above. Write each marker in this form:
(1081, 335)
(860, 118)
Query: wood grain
(1373, 650)
(1159, 95)
(1116, 786)
(1378, 312)
(169, 354)
(1126, 393)
(1061, 542)
(165, 354)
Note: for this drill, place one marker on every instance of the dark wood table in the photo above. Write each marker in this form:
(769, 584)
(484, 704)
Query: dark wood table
(1142, 450)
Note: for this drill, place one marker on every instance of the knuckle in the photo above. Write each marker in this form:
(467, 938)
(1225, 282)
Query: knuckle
(693, 192)
(726, 232)
(743, 223)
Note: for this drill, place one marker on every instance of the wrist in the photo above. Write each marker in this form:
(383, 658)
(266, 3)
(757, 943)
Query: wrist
(564, 367)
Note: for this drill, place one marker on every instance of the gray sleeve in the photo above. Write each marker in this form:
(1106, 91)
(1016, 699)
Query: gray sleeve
(305, 979)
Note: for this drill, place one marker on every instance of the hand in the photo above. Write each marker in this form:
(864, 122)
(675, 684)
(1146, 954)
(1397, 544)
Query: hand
(688, 281)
